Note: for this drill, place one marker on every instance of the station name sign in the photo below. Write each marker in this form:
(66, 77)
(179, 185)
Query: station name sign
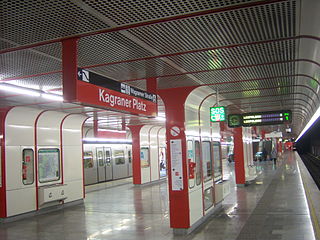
(99, 91)
(259, 118)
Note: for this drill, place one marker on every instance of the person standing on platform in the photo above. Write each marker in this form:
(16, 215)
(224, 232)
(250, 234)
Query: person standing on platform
(264, 154)
(274, 155)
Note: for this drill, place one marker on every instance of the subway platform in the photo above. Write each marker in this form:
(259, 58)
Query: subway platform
(272, 207)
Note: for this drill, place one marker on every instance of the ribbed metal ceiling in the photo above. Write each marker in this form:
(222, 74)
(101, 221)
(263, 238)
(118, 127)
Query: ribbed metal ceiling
(248, 54)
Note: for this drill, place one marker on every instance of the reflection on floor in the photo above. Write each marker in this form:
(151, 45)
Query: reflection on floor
(273, 207)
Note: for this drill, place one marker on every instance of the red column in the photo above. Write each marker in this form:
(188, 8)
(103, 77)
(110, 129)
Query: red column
(174, 100)
(69, 69)
(3, 194)
(152, 86)
(279, 147)
(263, 134)
(238, 156)
(136, 163)
(95, 125)
(123, 124)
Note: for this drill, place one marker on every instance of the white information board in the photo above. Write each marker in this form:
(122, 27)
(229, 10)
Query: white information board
(176, 165)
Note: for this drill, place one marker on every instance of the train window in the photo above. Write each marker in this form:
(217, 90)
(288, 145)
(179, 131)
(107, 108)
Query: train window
(100, 158)
(27, 166)
(88, 159)
(197, 160)
(191, 168)
(49, 164)
(206, 161)
(108, 154)
(108, 157)
(119, 157)
(129, 156)
(217, 161)
(144, 157)
(208, 198)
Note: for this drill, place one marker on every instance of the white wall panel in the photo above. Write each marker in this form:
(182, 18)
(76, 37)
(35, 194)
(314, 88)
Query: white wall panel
(21, 201)
(72, 156)
(154, 153)
(19, 126)
(144, 142)
(48, 128)
(19, 134)
(74, 190)
(195, 205)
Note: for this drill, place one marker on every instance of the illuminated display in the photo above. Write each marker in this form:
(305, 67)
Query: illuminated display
(234, 120)
(259, 118)
(217, 114)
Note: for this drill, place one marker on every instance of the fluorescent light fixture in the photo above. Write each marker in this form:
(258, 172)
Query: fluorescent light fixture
(30, 92)
(161, 119)
(309, 124)
(111, 130)
(161, 114)
(106, 140)
(19, 90)
(19, 126)
(52, 97)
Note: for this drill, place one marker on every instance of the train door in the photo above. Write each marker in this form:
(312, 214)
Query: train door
(217, 162)
(108, 163)
(120, 168)
(129, 162)
(101, 164)
(90, 166)
(207, 183)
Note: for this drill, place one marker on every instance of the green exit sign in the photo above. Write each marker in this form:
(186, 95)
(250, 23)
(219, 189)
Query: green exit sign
(217, 114)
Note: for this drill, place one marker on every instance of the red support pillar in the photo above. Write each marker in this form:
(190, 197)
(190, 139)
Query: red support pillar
(95, 125)
(263, 134)
(152, 86)
(136, 163)
(3, 189)
(238, 157)
(69, 69)
(123, 124)
(174, 100)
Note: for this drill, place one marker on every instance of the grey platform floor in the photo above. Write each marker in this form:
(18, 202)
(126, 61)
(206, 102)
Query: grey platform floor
(272, 207)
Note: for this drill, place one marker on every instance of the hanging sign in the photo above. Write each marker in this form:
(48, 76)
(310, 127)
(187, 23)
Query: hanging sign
(176, 165)
(217, 114)
(259, 118)
(101, 92)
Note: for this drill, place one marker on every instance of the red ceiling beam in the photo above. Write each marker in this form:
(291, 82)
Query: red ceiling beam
(282, 100)
(296, 106)
(267, 88)
(223, 69)
(274, 95)
(174, 54)
(203, 50)
(149, 23)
